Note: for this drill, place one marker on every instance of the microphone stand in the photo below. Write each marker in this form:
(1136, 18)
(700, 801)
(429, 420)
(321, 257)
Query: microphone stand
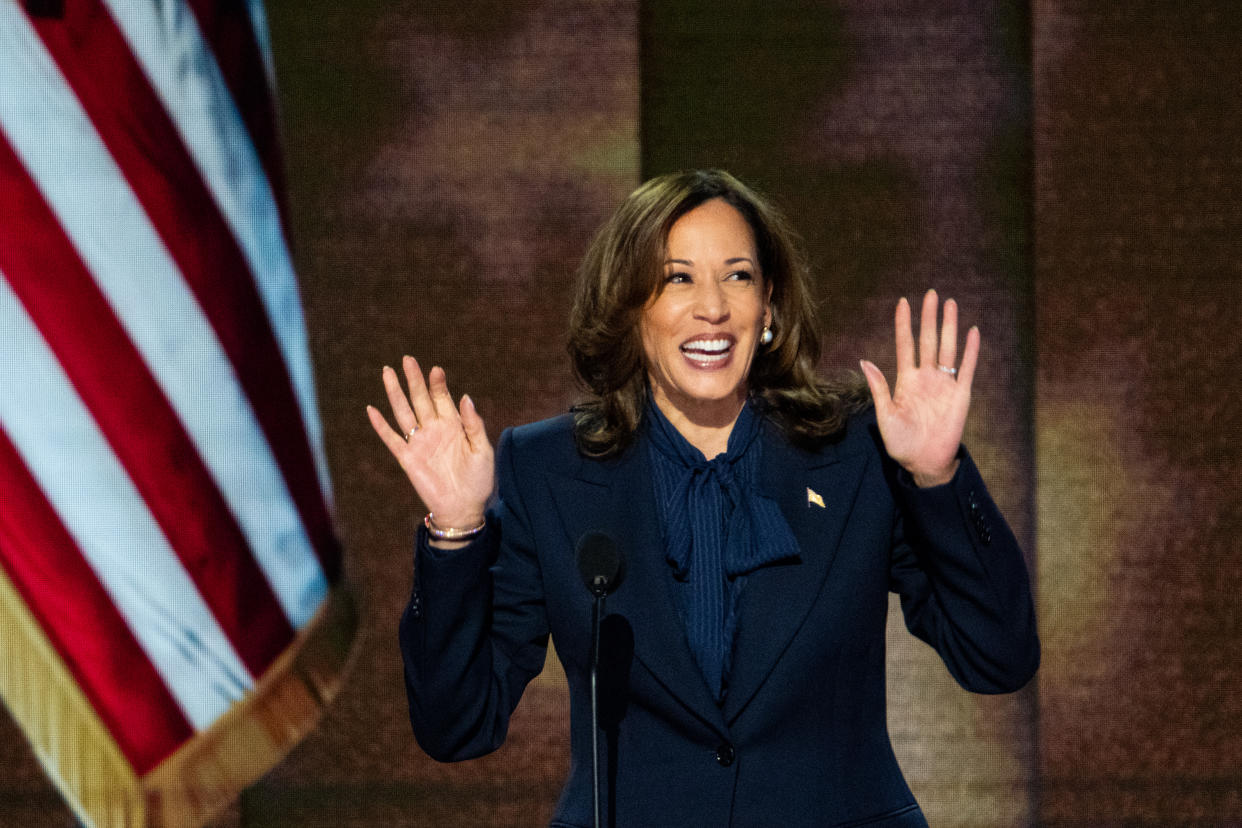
(600, 565)
(599, 589)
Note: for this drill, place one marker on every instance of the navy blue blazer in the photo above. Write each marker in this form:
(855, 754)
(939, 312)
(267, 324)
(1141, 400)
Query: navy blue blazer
(801, 738)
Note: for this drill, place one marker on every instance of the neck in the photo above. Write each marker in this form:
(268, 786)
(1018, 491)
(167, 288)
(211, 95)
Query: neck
(705, 425)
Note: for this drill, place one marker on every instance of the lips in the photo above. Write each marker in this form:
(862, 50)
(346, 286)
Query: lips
(708, 351)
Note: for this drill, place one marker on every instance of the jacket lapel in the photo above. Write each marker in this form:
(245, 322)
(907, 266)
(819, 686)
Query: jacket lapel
(618, 497)
(775, 599)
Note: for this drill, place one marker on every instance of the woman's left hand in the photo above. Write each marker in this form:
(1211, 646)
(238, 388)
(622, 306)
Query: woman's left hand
(921, 422)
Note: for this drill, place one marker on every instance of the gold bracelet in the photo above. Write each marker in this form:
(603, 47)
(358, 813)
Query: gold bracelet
(450, 534)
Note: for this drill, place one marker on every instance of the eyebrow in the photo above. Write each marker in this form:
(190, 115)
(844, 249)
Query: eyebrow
(689, 263)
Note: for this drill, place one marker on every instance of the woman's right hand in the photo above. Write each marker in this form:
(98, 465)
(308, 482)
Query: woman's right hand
(442, 448)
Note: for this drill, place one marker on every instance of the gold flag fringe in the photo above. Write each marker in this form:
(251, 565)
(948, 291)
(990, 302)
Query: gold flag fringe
(70, 739)
(205, 774)
(209, 771)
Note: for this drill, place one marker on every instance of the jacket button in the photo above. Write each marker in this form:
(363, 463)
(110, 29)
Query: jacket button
(984, 529)
(725, 755)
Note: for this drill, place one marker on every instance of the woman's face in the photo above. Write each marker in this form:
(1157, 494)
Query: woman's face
(700, 333)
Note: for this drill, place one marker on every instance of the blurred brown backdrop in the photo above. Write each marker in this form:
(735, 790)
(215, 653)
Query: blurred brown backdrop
(1071, 172)
(1138, 222)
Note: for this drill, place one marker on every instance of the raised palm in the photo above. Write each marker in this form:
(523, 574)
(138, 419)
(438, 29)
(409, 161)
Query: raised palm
(922, 419)
(442, 448)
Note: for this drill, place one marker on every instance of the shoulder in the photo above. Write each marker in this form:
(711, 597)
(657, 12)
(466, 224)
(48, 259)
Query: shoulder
(548, 442)
(550, 433)
(859, 435)
(548, 447)
(860, 427)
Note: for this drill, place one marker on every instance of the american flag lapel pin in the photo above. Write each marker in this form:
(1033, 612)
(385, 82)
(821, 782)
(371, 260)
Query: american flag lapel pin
(813, 496)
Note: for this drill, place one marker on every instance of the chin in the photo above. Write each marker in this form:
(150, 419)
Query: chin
(713, 393)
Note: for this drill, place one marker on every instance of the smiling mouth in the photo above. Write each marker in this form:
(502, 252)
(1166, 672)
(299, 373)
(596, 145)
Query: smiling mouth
(707, 351)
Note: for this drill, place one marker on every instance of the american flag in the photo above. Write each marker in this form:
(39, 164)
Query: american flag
(171, 614)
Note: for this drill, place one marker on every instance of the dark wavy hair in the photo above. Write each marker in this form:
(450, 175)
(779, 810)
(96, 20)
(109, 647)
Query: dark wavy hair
(624, 269)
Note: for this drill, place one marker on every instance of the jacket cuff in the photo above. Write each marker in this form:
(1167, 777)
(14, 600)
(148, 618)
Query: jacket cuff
(944, 508)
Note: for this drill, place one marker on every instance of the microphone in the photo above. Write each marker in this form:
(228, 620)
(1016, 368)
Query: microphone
(600, 565)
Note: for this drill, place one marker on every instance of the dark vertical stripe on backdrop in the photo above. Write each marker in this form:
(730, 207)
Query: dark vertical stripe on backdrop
(898, 139)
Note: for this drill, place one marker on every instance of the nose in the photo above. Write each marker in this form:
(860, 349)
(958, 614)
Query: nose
(710, 303)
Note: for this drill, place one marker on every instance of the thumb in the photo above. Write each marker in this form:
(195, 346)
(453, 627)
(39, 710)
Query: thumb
(472, 423)
(880, 394)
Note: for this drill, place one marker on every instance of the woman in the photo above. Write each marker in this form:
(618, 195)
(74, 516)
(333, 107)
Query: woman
(752, 612)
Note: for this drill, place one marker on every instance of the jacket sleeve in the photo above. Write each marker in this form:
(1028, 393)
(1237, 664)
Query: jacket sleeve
(475, 629)
(962, 580)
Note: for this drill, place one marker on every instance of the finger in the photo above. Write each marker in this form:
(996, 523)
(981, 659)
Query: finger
(970, 358)
(905, 337)
(397, 400)
(391, 439)
(879, 388)
(472, 424)
(423, 407)
(927, 329)
(948, 335)
(437, 385)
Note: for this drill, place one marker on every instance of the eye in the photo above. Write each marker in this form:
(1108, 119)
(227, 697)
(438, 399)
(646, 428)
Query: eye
(741, 276)
(677, 278)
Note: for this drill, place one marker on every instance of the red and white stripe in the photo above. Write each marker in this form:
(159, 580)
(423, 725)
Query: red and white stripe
(157, 416)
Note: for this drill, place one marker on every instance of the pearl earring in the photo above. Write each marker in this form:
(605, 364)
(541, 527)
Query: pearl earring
(766, 337)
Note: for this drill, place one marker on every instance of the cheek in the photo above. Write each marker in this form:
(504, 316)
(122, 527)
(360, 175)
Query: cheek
(649, 341)
(645, 338)
(656, 330)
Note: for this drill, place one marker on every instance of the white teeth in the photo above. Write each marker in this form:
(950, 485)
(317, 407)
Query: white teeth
(708, 347)
(707, 351)
(706, 359)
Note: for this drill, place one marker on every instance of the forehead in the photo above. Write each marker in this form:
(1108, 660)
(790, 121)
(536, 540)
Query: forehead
(713, 225)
